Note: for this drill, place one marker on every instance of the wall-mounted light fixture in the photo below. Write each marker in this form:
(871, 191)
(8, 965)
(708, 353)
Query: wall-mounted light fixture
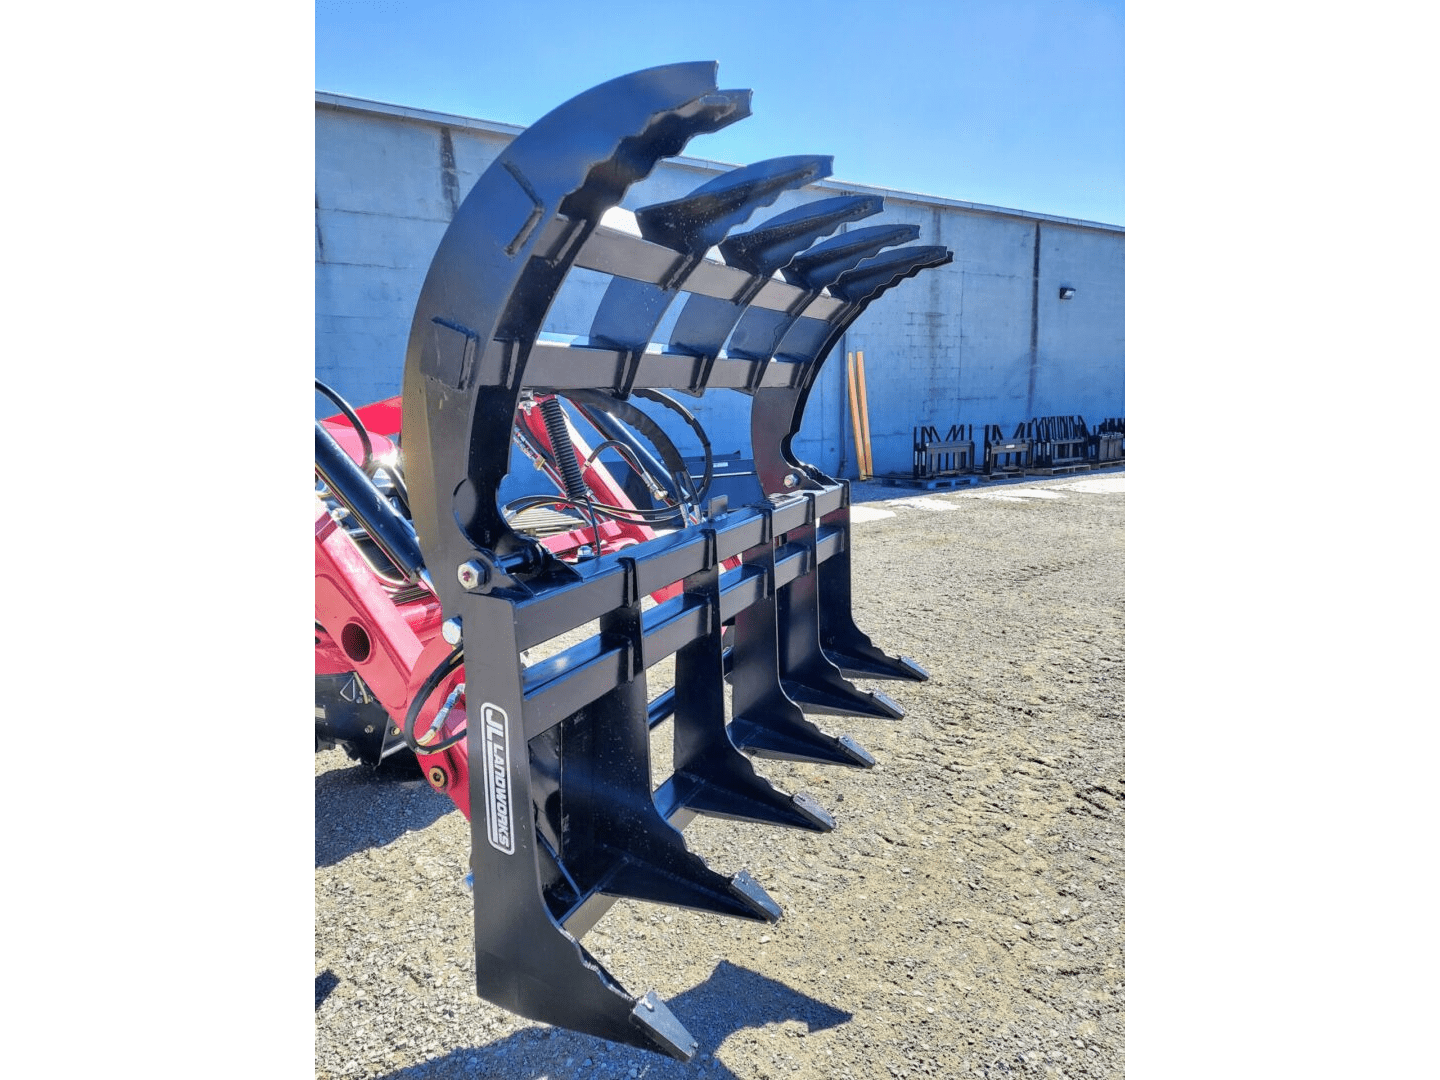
(1067, 293)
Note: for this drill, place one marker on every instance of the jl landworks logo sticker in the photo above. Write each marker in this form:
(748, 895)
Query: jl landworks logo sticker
(495, 741)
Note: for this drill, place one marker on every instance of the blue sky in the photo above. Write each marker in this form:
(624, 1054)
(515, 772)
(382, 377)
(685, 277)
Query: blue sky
(1018, 104)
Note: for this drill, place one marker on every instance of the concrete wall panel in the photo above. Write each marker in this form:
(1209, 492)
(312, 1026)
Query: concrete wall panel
(365, 164)
(1081, 341)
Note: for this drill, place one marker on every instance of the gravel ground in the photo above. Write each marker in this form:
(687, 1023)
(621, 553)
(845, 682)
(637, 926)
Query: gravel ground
(965, 918)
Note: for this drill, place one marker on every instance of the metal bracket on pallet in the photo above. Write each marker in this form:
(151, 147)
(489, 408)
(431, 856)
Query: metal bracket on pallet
(565, 820)
(1060, 443)
(1107, 446)
(935, 457)
(1006, 457)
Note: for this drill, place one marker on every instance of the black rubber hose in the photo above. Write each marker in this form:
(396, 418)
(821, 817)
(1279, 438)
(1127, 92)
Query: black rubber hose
(431, 684)
(349, 414)
(634, 515)
(629, 414)
(689, 418)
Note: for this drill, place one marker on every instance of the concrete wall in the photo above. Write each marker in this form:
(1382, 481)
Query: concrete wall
(984, 340)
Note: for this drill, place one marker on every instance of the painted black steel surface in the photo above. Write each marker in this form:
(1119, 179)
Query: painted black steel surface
(1059, 441)
(352, 489)
(933, 457)
(563, 815)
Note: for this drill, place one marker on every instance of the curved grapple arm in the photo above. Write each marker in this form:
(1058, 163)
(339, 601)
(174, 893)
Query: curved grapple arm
(563, 814)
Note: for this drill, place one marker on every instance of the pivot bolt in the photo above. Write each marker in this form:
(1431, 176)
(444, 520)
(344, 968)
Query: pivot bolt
(450, 630)
(473, 575)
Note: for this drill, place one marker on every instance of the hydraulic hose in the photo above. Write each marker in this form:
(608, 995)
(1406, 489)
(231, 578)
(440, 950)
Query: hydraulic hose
(353, 490)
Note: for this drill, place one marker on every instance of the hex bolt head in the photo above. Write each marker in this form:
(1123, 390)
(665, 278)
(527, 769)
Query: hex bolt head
(473, 575)
(450, 631)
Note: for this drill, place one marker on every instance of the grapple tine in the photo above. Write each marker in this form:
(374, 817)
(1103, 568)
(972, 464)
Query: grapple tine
(711, 775)
(765, 249)
(600, 810)
(850, 649)
(766, 721)
(740, 896)
(773, 732)
(597, 808)
(700, 220)
(807, 675)
(705, 322)
(875, 275)
(762, 334)
(822, 264)
(662, 1031)
(834, 696)
(824, 640)
(565, 817)
(630, 310)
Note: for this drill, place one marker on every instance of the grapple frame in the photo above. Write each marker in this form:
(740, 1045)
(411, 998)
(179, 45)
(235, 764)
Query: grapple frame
(564, 819)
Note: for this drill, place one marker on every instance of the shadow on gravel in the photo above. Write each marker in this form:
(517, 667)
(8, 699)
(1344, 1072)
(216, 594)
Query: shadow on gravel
(325, 983)
(346, 820)
(731, 999)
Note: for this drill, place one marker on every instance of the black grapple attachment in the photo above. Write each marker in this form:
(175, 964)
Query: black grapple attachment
(564, 815)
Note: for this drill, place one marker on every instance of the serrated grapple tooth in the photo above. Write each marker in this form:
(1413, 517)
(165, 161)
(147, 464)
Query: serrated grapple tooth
(630, 310)
(767, 248)
(700, 220)
(705, 322)
(822, 264)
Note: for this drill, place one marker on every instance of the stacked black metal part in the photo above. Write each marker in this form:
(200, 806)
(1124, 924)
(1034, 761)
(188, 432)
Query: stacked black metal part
(1057, 440)
(933, 457)
(1004, 455)
(1108, 440)
(563, 815)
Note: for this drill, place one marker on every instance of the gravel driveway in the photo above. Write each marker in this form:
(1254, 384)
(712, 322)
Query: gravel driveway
(965, 918)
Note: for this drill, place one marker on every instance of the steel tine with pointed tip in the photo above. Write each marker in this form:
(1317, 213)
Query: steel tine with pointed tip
(705, 322)
(759, 333)
(774, 243)
(711, 776)
(819, 624)
(766, 721)
(823, 263)
(630, 311)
